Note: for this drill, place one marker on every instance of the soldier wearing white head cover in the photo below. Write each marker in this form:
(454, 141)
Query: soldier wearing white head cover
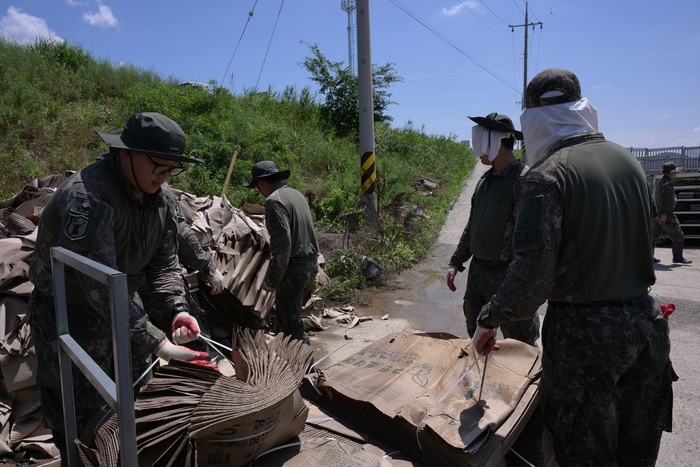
(583, 243)
(488, 235)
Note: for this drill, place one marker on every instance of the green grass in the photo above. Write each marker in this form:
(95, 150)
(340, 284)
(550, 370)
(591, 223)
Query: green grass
(55, 97)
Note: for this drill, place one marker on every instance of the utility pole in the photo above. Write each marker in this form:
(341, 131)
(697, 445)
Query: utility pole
(364, 78)
(526, 25)
(348, 6)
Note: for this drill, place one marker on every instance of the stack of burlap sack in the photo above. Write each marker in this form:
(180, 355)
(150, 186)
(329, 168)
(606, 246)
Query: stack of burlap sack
(238, 243)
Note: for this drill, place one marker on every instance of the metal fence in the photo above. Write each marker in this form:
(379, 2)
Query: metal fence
(118, 393)
(652, 160)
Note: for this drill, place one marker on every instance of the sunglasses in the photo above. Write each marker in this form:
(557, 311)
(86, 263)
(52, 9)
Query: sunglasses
(162, 169)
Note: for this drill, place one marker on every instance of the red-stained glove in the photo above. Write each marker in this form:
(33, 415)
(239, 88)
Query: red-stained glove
(667, 309)
(185, 328)
(450, 278)
(169, 351)
(484, 340)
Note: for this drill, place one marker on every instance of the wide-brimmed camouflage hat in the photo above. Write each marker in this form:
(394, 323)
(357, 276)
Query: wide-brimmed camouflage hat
(552, 86)
(265, 169)
(152, 133)
(497, 122)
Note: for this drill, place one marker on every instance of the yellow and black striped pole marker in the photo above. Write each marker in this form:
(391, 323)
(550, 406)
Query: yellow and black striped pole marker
(369, 183)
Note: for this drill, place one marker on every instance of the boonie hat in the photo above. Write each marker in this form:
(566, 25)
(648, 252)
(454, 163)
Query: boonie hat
(552, 86)
(265, 169)
(152, 133)
(497, 122)
(669, 167)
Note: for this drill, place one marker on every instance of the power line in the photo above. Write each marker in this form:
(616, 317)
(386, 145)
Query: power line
(451, 44)
(269, 43)
(457, 74)
(525, 25)
(494, 14)
(250, 15)
(484, 22)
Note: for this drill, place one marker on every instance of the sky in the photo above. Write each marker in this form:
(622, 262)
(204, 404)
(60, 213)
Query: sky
(638, 61)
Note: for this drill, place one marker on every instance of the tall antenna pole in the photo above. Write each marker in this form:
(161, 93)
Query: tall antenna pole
(525, 59)
(526, 25)
(349, 6)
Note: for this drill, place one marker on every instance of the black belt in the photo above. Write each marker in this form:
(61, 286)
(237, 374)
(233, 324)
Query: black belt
(492, 264)
(630, 302)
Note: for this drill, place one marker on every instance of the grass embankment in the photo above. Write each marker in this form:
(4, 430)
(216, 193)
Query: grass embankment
(54, 97)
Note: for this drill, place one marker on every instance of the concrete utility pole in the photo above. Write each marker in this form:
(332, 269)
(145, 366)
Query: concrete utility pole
(526, 25)
(364, 78)
(349, 6)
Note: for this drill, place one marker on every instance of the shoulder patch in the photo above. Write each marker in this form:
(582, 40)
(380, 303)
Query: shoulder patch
(77, 226)
(82, 220)
(528, 224)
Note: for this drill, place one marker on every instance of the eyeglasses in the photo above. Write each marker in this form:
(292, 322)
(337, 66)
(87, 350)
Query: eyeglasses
(162, 169)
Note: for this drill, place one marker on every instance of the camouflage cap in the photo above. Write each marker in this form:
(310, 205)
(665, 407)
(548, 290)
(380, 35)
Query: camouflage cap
(558, 84)
(669, 167)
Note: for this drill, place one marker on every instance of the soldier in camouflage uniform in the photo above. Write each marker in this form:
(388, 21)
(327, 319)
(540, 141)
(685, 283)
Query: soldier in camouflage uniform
(113, 212)
(665, 220)
(583, 241)
(293, 247)
(192, 255)
(488, 235)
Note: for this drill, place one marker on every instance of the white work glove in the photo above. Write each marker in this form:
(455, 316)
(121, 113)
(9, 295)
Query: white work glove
(169, 351)
(450, 278)
(185, 328)
(216, 282)
(484, 340)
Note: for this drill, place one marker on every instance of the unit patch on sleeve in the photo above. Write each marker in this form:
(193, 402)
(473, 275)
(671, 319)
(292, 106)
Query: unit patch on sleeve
(81, 223)
(77, 226)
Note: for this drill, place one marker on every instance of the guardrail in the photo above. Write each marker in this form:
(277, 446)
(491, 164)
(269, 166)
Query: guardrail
(652, 160)
(119, 393)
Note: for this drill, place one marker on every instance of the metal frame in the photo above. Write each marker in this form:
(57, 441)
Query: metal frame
(119, 393)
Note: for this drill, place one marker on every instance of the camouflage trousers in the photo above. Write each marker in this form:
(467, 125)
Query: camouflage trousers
(671, 227)
(291, 294)
(606, 382)
(95, 338)
(483, 280)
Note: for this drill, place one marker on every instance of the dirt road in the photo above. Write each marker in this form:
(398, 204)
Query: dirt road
(420, 300)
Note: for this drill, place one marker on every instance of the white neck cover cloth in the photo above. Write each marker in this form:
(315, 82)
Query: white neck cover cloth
(487, 141)
(545, 126)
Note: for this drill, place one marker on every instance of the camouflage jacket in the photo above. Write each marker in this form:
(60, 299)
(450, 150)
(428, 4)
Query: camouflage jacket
(289, 223)
(665, 196)
(95, 214)
(484, 203)
(582, 231)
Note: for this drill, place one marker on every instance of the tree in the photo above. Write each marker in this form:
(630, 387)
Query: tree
(340, 87)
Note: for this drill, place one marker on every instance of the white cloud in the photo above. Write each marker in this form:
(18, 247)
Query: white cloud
(19, 26)
(103, 17)
(456, 9)
(696, 129)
